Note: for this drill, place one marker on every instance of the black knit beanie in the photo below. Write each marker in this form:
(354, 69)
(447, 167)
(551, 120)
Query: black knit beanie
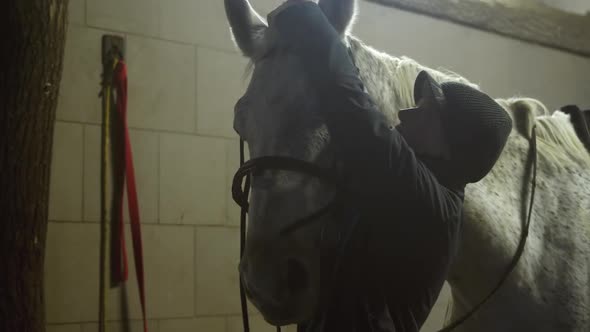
(476, 127)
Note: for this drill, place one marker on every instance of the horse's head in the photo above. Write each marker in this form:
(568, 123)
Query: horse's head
(276, 117)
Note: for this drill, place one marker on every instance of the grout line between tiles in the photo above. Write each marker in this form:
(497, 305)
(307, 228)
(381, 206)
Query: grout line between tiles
(82, 195)
(168, 40)
(162, 131)
(195, 270)
(85, 5)
(196, 94)
(80, 222)
(159, 180)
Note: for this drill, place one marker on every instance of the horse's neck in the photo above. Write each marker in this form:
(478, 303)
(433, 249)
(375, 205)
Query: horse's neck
(494, 212)
(380, 75)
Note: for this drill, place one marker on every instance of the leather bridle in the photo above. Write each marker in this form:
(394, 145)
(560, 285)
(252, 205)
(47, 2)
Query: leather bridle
(241, 188)
(255, 165)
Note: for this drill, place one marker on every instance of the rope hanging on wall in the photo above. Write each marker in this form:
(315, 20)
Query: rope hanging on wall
(115, 126)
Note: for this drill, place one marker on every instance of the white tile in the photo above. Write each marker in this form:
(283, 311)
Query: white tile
(220, 83)
(92, 174)
(81, 76)
(77, 12)
(65, 193)
(64, 328)
(205, 324)
(122, 326)
(71, 272)
(217, 257)
(169, 275)
(192, 180)
(144, 146)
(71, 281)
(198, 22)
(263, 7)
(290, 328)
(161, 84)
(257, 323)
(195, 21)
(136, 16)
(216, 265)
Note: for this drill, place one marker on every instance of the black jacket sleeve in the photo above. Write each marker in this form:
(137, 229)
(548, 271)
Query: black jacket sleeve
(375, 158)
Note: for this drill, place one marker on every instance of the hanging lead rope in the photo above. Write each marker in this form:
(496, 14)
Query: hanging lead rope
(120, 80)
(116, 78)
(243, 213)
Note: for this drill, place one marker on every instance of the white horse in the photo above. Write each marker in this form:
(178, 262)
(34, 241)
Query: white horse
(548, 290)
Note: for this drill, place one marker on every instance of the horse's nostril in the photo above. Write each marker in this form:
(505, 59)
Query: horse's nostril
(297, 279)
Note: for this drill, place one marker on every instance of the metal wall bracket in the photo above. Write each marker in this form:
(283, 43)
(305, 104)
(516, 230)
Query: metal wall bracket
(112, 46)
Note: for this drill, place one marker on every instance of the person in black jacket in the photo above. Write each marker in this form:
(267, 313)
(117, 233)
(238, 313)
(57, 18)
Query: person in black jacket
(413, 176)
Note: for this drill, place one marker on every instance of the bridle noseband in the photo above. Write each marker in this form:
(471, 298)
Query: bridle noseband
(256, 165)
(241, 189)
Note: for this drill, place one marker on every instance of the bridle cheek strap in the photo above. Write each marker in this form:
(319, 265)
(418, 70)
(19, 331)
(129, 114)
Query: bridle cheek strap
(244, 210)
(521, 244)
(240, 193)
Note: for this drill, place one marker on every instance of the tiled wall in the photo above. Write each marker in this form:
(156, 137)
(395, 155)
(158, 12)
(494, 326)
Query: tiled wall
(184, 77)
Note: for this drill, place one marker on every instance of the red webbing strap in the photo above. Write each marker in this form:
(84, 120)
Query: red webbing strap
(120, 81)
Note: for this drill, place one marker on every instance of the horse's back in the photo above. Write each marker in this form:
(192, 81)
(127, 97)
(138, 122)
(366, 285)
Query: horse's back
(550, 283)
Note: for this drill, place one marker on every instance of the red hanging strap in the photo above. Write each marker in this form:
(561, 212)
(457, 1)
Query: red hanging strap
(120, 81)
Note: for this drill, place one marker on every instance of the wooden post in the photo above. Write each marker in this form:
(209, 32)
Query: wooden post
(33, 36)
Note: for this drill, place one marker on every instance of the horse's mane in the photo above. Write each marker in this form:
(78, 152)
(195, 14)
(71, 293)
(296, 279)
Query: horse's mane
(555, 130)
(556, 137)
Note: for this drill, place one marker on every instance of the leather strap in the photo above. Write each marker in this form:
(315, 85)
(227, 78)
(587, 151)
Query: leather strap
(521, 244)
(120, 81)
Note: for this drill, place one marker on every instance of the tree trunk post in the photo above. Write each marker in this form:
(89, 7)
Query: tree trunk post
(31, 60)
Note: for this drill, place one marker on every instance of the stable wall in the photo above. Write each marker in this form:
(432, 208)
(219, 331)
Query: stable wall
(184, 78)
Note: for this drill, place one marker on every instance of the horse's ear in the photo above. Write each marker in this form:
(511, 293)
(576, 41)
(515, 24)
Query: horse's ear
(428, 92)
(247, 26)
(341, 13)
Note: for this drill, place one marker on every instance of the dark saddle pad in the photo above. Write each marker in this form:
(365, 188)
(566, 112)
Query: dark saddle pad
(581, 122)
